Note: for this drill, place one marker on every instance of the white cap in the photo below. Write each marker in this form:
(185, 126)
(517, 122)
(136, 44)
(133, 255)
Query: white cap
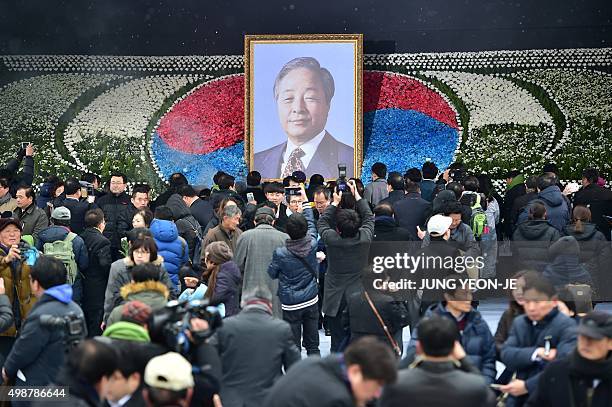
(170, 371)
(438, 224)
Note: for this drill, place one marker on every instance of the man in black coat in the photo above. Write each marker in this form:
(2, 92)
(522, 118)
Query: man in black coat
(96, 273)
(515, 187)
(201, 210)
(598, 199)
(254, 187)
(412, 211)
(248, 375)
(77, 207)
(113, 205)
(347, 380)
(386, 228)
(176, 181)
(442, 376)
(522, 202)
(140, 200)
(395, 185)
(584, 378)
(9, 171)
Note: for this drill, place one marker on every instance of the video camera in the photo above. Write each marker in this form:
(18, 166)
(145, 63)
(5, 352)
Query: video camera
(73, 326)
(169, 325)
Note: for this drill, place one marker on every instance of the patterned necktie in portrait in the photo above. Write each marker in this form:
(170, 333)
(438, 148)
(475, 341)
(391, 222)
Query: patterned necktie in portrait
(294, 163)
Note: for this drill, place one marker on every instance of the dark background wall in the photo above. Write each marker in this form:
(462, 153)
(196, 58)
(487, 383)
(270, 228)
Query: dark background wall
(210, 27)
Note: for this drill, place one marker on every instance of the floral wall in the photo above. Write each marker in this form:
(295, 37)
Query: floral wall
(152, 116)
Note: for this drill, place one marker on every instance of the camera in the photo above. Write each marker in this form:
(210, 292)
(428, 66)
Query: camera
(25, 144)
(73, 326)
(87, 189)
(293, 191)
(28, 254)
(168, 326)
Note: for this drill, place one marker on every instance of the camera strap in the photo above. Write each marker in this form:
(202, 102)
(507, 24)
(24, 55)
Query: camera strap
(393, 342)
(306, 264)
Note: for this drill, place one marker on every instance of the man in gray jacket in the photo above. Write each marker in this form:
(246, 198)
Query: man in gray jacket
(348, 245)
(254, 250)
(377, 190)
(254, 348)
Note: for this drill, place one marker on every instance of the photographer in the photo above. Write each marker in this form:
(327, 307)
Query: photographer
(39, 350)
(10, 169)
(348, 245)
(19, 294)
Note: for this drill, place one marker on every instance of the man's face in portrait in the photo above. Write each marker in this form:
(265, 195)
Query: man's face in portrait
(302, 105)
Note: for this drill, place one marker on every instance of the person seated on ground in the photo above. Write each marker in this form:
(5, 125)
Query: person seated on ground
(474, 333)
(441, 375)
(584, 378)
(142, 250)
(532, 238)
(144, 287)
(352, 378)
(219, 282)
(565, 267)
(541, 335)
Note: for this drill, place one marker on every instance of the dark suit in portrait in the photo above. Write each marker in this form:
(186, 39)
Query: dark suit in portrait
(327, 156)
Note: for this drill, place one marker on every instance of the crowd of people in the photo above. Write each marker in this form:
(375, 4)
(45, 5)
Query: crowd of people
(207, 296)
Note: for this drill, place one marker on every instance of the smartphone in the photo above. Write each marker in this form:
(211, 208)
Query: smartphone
(250, 196)
(24, 144)
(496, 386)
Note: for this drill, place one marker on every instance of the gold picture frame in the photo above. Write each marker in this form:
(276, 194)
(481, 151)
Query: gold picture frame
(276, 50)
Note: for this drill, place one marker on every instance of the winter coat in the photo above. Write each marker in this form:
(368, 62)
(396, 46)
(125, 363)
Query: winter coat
(297, 284)
(557, 207)
(44, 195)
(10, 205)
(219, 234)
(599, 201)
(531, 241)
(113, 207)
(476, 340)
(124, 221)
(120, 275)
(462, 238)
(55, 233)
(595, 251)
(253, 254)
(513, 191)
(188, 227)
(567, 378)
(438, 384)
(427, 187)
(96, 277)
(504, 325)
(6, 313)
(346, 257)
(519, 212)
(363, 321)
(248, 375)
(258, 194)
(525, 337)
(394, 197)
(202, 211)
(376, 191)
(387, 230)
(77, 211)
(317, 382)
(170, 246)
(412, 211)
(16, 277)
(33, 220)
(39, 350)
(26, 177)
(153, 293)
(566, 269)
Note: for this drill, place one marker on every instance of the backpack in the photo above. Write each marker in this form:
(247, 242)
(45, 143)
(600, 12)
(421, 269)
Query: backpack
(478, 221)
(62, 250)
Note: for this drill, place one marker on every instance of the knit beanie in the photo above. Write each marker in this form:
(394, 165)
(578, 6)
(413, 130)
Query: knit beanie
(219, 252)
(136, 311)
(128, 331)
(567, 245)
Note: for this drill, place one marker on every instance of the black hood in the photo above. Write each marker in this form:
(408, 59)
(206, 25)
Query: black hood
(534, 229)
(589, 231)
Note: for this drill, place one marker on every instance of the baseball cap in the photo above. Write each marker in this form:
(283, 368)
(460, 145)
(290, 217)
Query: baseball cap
(170, 371)
(596, 325)
(61, 213)
(4, 222)
(438, 224)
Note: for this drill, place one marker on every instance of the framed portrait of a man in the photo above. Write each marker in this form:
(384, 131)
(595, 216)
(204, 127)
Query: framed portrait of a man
(303, 104)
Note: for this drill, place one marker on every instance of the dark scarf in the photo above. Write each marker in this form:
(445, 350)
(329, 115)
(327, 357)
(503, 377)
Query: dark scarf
(299, 247)
(589, 369)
